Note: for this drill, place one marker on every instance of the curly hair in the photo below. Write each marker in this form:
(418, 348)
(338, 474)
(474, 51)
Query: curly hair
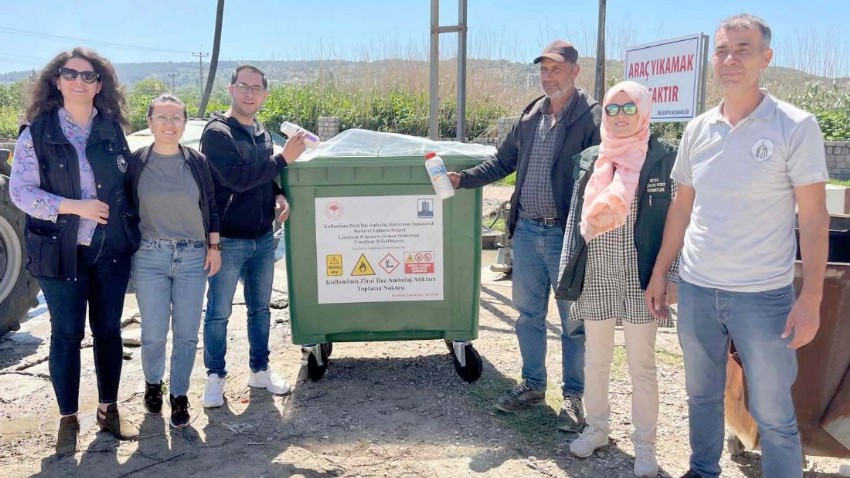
(46, 97)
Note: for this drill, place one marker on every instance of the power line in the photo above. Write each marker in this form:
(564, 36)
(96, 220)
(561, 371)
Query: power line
(20, 57)
(50, 36)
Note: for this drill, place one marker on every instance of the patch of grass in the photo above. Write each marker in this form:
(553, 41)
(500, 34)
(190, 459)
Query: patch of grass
(499, 225)
(840, 182)
(509, 180)
(537, 426)
(669, 358)
(620, 368)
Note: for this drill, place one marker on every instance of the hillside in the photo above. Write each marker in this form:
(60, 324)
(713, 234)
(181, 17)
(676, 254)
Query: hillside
(504, 74)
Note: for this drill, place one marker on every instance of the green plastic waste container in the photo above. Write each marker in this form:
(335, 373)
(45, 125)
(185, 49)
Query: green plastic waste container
(372, 254)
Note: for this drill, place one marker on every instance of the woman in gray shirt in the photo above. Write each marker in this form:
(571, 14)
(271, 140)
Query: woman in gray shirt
(172, 188)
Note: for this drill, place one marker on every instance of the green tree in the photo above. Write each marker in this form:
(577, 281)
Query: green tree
(12, 101)
(139, 99)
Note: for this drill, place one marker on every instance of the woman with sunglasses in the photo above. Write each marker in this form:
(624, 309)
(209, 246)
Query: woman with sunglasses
(173, 191)
(621, 195)
(68, 177)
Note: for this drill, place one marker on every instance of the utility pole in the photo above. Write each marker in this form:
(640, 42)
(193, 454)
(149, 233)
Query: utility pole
(172, 76)
(600, 52)
(200, 56)
(434, 78)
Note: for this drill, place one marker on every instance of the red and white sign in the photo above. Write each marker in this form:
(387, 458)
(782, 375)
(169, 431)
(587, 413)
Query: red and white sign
(672, 70)
(419, 262)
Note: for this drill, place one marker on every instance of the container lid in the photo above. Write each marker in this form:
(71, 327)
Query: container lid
(361, 143)
(430, 155)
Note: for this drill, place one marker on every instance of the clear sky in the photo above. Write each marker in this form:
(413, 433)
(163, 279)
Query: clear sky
(31, 32)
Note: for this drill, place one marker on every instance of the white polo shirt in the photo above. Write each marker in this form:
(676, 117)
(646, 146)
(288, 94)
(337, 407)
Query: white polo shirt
(741, 233)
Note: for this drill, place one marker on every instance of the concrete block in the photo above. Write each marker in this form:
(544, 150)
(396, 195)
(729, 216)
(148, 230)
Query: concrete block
(328, 127)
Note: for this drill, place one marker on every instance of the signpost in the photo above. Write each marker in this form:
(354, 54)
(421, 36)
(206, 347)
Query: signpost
(674, 71)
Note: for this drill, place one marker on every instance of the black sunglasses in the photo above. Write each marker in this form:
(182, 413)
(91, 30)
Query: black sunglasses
(71, 74)
(629, 109)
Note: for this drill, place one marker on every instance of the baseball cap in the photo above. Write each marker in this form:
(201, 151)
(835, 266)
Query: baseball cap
(560, 51)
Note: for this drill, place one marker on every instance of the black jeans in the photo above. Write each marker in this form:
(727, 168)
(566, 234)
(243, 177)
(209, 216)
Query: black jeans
(100, 284)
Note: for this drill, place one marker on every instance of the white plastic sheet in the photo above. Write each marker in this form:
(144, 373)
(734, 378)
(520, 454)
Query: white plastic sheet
(373, 144)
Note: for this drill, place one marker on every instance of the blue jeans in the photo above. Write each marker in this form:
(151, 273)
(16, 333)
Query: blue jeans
(252, 260)
(536, 257)
(708, 319)
(100, 285)
(170, 280)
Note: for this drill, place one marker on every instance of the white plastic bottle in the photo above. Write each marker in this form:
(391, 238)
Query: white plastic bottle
(439, 176)
(291, 129)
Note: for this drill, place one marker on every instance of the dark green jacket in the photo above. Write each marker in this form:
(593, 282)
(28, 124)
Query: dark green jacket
(653, 195)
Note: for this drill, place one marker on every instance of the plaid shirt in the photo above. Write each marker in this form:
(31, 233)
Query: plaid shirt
(611, 282)
(535, 198)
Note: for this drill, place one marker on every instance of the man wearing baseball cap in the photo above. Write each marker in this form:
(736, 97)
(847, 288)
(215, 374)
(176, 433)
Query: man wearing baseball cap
(539, 148)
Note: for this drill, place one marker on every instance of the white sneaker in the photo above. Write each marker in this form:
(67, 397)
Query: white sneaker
(591, 439)
(270, 381)
(214, 391)
(645, 464)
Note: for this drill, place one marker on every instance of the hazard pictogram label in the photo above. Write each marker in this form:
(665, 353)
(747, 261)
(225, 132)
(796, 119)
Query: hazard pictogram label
(333, 263)
(419, 262)
(389, 263)
(362, 268)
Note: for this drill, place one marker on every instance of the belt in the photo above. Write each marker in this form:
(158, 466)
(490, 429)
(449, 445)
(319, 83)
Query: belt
(175, 243)
(546, 221)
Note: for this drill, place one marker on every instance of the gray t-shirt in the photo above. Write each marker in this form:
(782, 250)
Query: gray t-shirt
(741, 233)
(169, 200)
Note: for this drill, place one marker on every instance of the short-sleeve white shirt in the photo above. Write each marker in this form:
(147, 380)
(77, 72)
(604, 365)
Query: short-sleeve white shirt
(741, 231)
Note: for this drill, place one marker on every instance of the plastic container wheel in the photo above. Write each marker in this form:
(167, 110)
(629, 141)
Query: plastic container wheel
(327, 350)
(473, 369)
(314, 370)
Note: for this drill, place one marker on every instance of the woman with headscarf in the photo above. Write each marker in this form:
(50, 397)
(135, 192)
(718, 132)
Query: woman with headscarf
(621, 195)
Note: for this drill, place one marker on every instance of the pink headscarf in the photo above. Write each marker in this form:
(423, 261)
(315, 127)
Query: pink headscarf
(611, 189)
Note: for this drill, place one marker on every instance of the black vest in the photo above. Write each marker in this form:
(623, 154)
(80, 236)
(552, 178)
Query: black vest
(654, 195)
(52, 247)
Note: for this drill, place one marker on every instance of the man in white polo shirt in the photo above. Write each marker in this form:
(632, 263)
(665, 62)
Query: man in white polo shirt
(742, 169)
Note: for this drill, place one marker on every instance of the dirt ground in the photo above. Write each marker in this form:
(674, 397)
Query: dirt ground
(389, 409)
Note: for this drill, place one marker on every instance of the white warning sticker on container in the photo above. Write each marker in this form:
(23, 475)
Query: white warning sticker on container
(392, 245)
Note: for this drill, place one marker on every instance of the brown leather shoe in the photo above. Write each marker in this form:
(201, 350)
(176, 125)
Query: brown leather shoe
(69, 430)
(114, 424)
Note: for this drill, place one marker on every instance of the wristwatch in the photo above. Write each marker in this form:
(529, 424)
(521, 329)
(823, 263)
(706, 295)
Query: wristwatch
(215, 245)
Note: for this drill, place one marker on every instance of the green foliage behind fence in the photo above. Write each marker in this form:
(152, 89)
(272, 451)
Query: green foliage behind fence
(399, 108)
(831, 106)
